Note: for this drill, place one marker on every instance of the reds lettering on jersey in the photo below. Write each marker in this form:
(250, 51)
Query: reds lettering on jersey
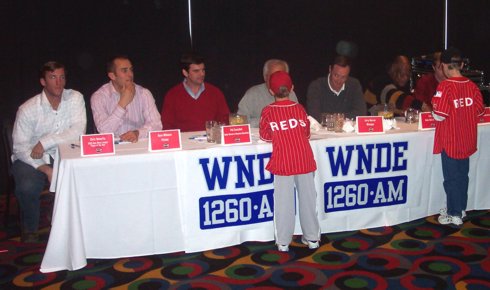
(287, 124)
(463, 102)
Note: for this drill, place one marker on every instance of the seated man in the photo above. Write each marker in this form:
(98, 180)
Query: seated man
(336, 93)
(258, 96)
(123, 107)
(55, 116)
(188, 105)
(426, 85)
(398, 91)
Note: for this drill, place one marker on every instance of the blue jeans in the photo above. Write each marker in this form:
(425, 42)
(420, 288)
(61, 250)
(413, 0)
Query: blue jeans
(455, 172)
(29, 183)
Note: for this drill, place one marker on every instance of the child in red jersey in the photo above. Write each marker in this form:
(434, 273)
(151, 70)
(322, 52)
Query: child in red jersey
(456, 106)
(285, 124)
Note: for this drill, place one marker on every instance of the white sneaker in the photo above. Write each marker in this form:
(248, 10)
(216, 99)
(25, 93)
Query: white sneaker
(450, 220)
(283, 248)
(443, 211)
(311, 244)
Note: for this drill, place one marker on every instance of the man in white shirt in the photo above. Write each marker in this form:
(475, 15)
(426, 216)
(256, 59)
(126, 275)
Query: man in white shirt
(258, 96)
(55, 116)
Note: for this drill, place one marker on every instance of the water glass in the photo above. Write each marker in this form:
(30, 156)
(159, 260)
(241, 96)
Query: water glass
(411, 115)
(216, 132)
(328, 121)
(209, 131)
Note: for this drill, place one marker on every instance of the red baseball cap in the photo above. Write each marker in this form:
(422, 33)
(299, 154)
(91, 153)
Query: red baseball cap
(280, 79)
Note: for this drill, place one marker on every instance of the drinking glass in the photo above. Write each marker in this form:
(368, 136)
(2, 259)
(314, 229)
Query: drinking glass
(328, 121)
(209, 131)
(338, 122)
(216, 132)
(411, 115)
(386, 110)
(237, 119)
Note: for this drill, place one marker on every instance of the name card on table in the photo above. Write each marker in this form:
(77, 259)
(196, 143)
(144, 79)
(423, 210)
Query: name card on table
(427, 121)
(164, 140)
(485, 118)
(236, 134)
(369, 125)
(97, 144)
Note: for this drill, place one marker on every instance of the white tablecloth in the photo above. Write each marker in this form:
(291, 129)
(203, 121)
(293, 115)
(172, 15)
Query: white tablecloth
(210, 196)
(113, 206)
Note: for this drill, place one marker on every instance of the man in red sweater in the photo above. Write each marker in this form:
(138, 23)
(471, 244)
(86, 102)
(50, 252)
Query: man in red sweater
(188, 105)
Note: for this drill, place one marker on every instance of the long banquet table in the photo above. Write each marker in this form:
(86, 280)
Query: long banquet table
(209, 196)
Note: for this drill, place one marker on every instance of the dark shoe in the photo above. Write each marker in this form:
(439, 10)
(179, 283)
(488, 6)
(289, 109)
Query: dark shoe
(30, 238)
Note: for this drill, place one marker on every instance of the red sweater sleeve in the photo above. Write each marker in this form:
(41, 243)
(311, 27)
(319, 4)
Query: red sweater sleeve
(168, 115)
(223, 110)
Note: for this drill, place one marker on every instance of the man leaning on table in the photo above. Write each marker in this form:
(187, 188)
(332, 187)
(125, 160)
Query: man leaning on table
(258, 96)
(122, 107)
(188, 105)
(336, 93)
(55, 116)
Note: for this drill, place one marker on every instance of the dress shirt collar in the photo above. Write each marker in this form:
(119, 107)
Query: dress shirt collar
(45, 102)
(191, 93)
(114, 92)
(334, 91)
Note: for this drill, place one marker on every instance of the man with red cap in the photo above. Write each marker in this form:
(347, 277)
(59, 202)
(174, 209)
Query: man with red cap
(285, 124)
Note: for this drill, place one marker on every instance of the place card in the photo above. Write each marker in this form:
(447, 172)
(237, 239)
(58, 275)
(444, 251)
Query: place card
(369, 125)
(97, 144)
(236, 134)
(485, 118)
(164, 140)
(427, 121)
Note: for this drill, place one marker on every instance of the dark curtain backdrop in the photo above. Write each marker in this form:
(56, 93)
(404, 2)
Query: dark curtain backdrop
(235, 37)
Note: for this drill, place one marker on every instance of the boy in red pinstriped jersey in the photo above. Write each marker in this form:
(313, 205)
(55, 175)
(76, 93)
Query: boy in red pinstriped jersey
(456, 106)
(285, 124)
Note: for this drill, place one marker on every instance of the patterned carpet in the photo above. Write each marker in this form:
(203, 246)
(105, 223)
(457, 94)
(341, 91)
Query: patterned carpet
(418, 255)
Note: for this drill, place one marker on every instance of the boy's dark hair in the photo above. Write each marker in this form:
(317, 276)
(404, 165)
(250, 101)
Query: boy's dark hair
(283, 92)
(452, 57)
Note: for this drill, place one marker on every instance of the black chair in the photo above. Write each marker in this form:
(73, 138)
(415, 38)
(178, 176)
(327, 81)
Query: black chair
(7, 128)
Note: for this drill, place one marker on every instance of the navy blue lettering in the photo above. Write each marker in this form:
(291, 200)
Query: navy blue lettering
(263, 180)
(339, 162)
(399, 148)
(367, 160)
(379, 165)
(243, 170)
(217, 174)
